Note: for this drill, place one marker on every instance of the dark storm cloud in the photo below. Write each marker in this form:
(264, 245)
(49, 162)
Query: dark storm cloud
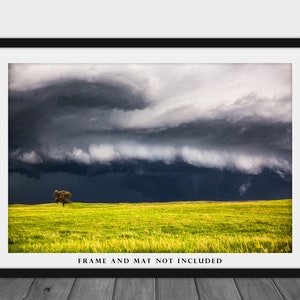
(113, 133)
(245, 133)
(76, 93)
(235, 118)
(66, 108)
(243, 146)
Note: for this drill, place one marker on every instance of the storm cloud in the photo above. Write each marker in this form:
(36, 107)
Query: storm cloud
(92, 120)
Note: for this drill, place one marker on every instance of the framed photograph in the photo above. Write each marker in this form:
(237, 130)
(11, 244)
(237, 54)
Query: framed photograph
(167, 159)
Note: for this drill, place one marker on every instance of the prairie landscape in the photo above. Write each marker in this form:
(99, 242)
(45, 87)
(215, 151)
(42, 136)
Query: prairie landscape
(177, 227)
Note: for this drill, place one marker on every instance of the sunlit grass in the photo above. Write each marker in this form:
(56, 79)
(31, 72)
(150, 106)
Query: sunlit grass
(224, 227)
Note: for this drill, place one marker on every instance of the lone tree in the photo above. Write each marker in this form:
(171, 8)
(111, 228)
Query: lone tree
(62, 196)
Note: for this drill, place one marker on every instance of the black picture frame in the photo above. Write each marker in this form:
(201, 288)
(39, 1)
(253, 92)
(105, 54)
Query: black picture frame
(150, 43)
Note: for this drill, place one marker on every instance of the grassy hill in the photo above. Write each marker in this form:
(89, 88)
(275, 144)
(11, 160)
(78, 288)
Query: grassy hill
(227, 227)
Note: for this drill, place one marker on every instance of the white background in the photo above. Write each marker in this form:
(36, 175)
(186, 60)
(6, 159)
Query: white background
(155, 18)
(145, 56)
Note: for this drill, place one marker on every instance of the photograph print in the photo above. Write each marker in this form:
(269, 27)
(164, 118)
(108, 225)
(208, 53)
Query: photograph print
(150, 158)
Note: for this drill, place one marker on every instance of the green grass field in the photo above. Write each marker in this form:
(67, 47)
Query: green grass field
(224, 227)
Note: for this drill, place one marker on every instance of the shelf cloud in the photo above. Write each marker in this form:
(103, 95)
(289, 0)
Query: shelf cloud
(234, 117)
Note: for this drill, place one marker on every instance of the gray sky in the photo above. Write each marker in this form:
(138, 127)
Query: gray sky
(99, 118)
(208, 115)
